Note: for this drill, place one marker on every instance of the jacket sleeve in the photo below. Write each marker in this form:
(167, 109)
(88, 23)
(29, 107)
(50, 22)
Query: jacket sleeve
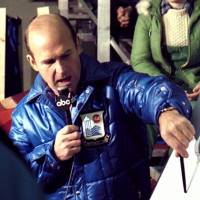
(37, 153)
(146, 96)
(141, 57)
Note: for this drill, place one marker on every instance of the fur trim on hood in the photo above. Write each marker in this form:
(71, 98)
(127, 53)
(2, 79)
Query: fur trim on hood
(143, 7)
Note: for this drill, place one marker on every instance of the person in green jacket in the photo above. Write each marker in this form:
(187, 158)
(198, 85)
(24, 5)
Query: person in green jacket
(167, 41)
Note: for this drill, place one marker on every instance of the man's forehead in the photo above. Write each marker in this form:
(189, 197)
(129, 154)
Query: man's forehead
(45, 20)
(51, 25)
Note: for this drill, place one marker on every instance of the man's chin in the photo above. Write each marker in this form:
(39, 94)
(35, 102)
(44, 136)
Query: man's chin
(65, 87)
(59, 88)
(62, 87)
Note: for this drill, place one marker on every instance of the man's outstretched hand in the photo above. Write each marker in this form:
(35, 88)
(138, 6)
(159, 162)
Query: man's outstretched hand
(176, 130)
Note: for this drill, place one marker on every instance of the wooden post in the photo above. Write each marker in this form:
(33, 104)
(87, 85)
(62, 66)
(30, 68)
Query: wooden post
(2, 52)
(43, 10)
(63, 6)
(103, 27)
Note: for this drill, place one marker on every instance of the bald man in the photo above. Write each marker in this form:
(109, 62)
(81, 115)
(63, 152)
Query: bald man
(95, 148)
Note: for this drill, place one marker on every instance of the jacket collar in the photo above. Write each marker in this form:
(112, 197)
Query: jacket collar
(165, 6)
(91, 71)
(155, 7)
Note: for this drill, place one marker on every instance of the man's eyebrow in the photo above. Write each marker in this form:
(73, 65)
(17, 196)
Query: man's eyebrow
(67, 52)
(47, 60)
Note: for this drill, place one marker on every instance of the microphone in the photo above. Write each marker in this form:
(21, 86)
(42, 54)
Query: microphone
(64, 101)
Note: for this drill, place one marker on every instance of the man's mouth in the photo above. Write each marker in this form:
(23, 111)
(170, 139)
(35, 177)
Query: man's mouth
(66, 81)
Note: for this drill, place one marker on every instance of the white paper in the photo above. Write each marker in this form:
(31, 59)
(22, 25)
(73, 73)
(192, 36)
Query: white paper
(170, 185)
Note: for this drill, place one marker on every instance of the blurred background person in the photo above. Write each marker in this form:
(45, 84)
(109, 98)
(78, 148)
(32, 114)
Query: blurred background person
(17, 181)
(166, 42)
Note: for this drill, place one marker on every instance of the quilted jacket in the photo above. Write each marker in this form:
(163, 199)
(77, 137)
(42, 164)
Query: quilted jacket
(112, 171)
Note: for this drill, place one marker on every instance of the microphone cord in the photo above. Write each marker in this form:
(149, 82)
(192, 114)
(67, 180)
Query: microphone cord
(70, 178)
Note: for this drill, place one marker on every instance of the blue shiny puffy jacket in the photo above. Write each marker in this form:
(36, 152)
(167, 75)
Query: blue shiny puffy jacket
(116, 170)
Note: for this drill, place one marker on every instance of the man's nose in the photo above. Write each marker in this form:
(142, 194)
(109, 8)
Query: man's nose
(60, 67)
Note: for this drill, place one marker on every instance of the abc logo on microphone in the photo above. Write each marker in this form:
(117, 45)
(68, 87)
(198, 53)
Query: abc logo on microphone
(63, 102)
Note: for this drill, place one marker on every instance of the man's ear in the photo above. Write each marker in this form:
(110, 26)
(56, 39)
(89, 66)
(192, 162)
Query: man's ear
(31, 61)
(78, 44)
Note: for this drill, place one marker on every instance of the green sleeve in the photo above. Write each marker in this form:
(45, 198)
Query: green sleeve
(141, 57)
